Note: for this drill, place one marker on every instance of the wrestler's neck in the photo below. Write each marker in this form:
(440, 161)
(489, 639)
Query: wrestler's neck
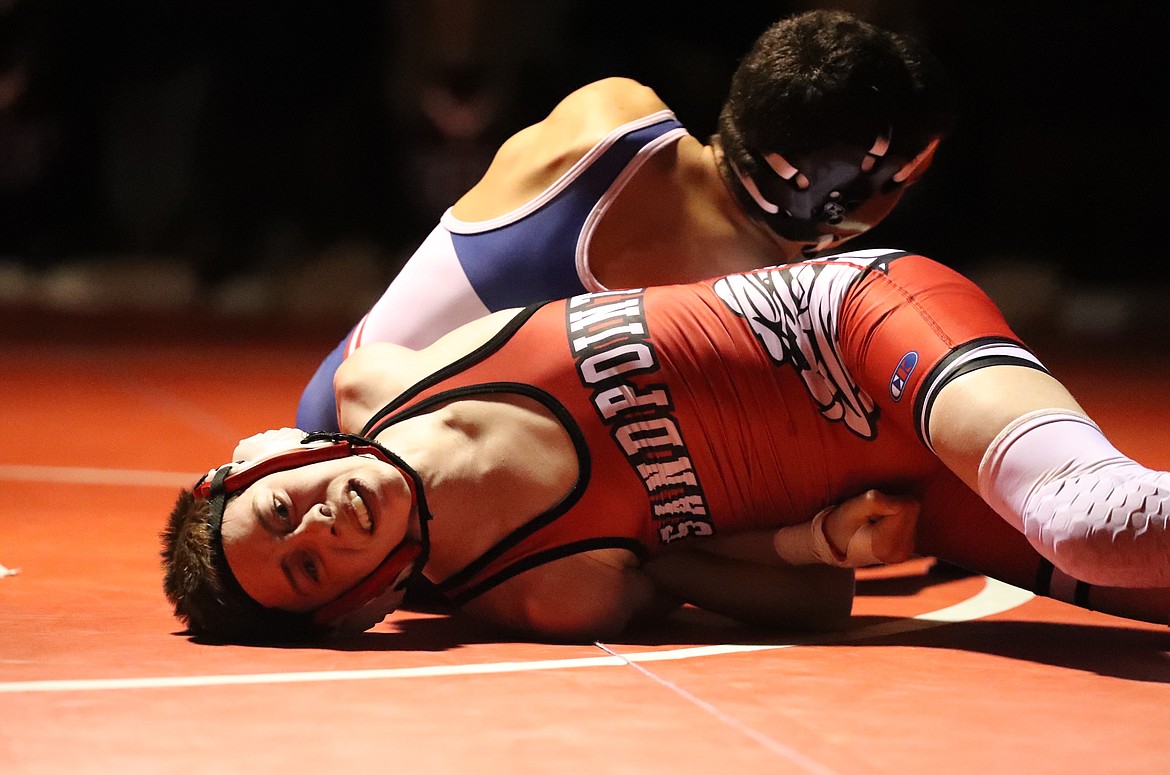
(680, 223)
(752, 231)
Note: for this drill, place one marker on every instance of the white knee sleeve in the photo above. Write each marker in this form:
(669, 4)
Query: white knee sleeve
(1094, 513)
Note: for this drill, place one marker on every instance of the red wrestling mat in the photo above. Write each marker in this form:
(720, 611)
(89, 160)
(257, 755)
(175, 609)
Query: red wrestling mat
(938, 674)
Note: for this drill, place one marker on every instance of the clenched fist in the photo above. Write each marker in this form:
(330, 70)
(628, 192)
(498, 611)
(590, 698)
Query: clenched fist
(869, 529)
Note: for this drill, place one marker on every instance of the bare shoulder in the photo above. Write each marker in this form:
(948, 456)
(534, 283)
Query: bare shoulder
(590, 112)
(378, 372)
(370, 378)
(608, 103)
(533, 158)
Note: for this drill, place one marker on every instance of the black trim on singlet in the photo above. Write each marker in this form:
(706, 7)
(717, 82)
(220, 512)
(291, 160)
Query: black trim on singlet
(867, 265)
(546, 556)
(887, 257)
(928, 391)
(566, 420)
(871, 263)
(386, 417)
(461, 364)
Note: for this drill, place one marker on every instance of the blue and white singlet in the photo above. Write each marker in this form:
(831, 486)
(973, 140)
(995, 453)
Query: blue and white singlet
(465, 270)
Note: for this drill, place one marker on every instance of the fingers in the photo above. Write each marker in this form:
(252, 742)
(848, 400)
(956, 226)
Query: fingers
(890, 540)
(872, 505)
(892, 535)
(874, 527)
(869, 506)
(879, 503)
(266, 443)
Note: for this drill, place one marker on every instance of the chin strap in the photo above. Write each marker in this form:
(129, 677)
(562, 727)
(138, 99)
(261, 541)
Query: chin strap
(376, 597)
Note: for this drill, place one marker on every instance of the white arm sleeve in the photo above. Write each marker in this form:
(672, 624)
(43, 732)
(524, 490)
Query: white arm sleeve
(1093, 512)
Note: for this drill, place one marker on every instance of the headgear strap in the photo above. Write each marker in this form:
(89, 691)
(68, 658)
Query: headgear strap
(820, 198)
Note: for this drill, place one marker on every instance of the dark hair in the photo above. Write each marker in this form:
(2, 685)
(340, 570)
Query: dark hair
(825, 78)
(204, 592)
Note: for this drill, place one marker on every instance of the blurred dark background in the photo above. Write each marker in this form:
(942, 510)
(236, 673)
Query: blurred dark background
(283, 158)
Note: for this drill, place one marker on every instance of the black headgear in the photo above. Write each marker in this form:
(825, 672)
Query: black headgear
(825, 196)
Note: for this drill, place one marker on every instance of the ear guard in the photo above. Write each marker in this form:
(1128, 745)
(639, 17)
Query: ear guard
(379, 593)
(831, 194)
(376, 595)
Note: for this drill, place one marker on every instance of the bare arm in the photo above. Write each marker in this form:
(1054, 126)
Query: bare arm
(869, 529)
(581, 598)
(378, 372)
(973, 409)
(798, 576)
(751, 577)
(810, 597)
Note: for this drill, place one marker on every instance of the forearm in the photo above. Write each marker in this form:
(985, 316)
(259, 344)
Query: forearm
(868, 529)
(773, 594)
(785, 546)
(794, 576)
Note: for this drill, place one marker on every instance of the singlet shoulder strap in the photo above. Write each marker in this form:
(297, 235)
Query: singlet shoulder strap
(387, 414)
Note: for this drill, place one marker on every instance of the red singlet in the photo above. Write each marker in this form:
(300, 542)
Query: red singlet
(748, 401)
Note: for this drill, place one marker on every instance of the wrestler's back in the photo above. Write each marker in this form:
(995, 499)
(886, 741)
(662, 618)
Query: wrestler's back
(609, 191)
(672, 221)
(534, 158)
(603, 163)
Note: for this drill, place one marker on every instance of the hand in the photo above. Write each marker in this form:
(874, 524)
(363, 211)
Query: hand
(267, 443)
(874, 528)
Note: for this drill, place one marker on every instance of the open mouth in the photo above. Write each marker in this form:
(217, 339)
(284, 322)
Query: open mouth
(358, 502)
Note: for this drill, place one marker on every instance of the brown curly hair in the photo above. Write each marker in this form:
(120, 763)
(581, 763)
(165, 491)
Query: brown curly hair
(824, 78)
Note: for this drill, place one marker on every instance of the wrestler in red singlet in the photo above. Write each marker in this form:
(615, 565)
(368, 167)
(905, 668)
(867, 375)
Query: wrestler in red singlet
(823, 389)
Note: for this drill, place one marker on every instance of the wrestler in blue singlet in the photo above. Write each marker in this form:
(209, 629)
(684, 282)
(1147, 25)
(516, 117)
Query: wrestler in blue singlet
(463, 271)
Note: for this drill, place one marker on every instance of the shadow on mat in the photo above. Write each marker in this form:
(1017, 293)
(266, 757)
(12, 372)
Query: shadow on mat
(430, 624)
(1114, 651)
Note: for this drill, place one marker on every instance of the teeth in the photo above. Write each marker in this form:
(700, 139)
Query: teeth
(360, 510)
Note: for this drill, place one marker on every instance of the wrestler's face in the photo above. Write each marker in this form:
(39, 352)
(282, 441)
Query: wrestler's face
(297, 539)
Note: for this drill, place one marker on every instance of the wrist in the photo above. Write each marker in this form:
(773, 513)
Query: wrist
(822, 547)
(807, 543)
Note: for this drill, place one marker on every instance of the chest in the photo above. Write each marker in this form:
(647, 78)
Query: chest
(492, 465)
